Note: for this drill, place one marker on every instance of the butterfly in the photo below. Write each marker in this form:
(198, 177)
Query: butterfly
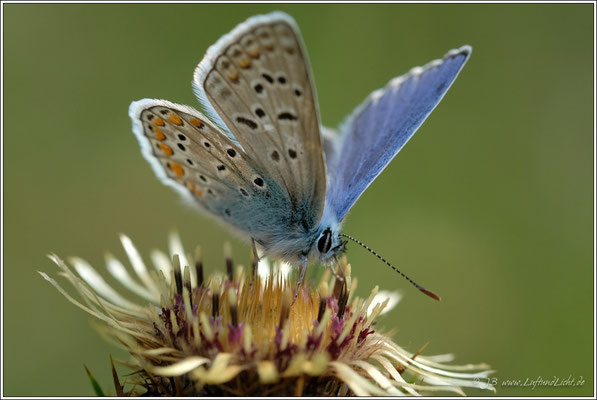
(259, 160)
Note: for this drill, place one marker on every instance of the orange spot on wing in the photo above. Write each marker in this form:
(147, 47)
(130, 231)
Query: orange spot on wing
(159, 135)
(166, 149)
(193, 189)
(244, 63)
(175, 119)
(233, 76)
(196, 122)
(253, 53)
(176, 168)
(158, 122)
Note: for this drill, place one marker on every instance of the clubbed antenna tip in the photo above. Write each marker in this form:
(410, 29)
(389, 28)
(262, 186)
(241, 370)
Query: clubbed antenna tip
(415, 284)
(430, 294)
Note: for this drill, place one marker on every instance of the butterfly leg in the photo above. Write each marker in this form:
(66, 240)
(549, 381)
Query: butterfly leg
(342, 275)
(335, 273)
(303, 268)
(255, 250)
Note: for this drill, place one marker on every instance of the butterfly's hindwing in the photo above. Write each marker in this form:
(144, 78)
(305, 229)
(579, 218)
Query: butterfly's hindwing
(204, 164)
(258, 81)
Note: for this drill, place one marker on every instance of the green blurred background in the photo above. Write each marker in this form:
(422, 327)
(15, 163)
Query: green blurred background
(490, 204)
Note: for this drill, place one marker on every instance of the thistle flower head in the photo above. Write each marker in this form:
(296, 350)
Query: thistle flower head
(240, 333)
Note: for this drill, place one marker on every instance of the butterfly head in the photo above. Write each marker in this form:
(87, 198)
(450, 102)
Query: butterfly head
(329, 245)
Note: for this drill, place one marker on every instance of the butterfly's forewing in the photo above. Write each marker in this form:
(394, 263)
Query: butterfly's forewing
(257, 80)
(381, 126)
(189, 153)
(331, 148)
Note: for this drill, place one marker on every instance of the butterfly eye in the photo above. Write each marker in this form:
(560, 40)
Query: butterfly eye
(325, 241)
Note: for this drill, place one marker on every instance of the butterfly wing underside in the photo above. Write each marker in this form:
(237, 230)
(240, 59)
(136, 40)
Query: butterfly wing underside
(379, 128)
(256, 84)
(189, 153)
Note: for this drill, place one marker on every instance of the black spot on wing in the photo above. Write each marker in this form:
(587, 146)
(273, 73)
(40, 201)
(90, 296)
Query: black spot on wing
(287, 116)
(246, 121)
(268, 78)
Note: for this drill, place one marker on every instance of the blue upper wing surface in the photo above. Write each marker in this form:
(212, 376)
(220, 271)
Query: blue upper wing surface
(379, 128)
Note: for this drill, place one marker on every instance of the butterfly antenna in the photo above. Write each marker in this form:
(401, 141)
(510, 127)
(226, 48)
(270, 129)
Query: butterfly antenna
(415, 284)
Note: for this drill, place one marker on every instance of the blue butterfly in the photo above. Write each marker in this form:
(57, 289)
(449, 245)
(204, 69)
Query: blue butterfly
(260, 162)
